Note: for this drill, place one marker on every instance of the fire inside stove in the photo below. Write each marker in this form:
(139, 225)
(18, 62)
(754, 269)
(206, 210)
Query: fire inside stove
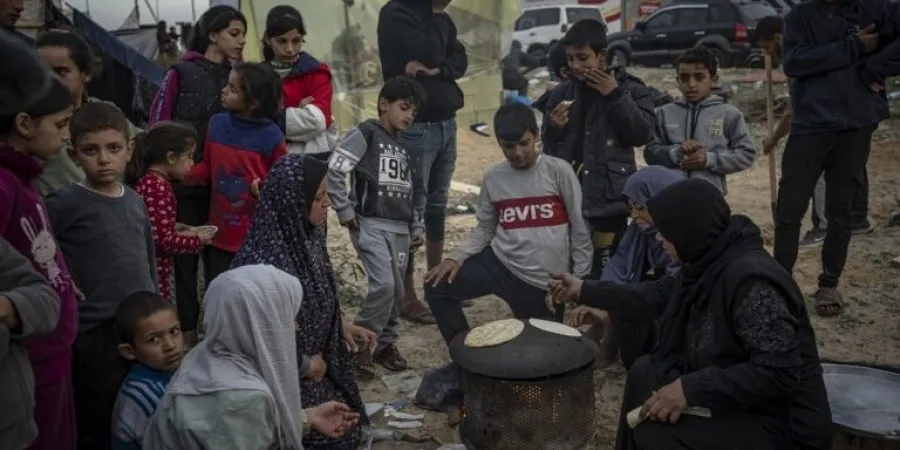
(535, 392)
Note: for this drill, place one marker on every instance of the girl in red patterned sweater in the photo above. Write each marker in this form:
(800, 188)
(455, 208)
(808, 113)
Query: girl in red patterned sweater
(161, 156)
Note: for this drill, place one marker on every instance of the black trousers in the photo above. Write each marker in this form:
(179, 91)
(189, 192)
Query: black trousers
(97, 374)
(842, 156)
(732, 429)
(606, 232)
(483, 274)
(216, 262)
(193, 210)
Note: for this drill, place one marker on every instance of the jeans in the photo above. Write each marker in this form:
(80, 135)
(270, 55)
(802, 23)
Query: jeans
(483, 274)
(432, 146)
(384, 254)
(842, 155)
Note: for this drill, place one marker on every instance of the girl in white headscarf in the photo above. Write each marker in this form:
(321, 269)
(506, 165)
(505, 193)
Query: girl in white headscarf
(238, 388)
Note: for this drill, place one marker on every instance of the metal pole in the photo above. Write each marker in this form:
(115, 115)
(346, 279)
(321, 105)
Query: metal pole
(193, 12)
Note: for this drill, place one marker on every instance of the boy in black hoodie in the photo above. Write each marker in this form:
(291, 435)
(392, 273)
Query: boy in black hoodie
(594, 123)
(418, 39)
(838, 54)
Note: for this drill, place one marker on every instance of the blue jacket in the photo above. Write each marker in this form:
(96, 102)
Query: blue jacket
(639, 251)
(830, 70)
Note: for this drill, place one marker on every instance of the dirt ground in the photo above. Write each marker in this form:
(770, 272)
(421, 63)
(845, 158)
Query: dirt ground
(867, 331)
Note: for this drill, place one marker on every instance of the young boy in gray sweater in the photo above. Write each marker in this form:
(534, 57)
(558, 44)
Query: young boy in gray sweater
(529, 224)
(102, 228)
(383, 211)
(700, 133)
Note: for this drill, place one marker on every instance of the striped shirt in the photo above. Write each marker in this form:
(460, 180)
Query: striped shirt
(141, 391)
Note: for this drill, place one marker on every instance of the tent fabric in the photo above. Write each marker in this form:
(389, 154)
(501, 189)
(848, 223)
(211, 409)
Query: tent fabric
(143, 40)
(117, 50)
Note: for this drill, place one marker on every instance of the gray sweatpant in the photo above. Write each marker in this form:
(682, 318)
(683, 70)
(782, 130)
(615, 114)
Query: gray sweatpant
(384, 254)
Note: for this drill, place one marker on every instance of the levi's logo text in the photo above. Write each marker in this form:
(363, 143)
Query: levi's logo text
(531, 212)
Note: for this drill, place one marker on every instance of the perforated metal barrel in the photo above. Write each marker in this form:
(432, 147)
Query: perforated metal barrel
(556, 413)
(535, 392)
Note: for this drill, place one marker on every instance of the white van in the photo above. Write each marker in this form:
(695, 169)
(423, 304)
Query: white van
(540, 26)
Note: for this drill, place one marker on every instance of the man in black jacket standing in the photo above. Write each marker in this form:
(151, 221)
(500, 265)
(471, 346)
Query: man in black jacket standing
(10, 12)
(838, 54)
(417, 38)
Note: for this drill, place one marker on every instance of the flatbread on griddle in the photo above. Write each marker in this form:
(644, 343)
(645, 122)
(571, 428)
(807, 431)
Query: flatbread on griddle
(494, 333)
(554, 327)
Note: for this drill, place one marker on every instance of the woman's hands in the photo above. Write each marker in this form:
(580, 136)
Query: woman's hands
(585, 315)
(357, 337)
(666, 404)
(562, 288)
(332, 419)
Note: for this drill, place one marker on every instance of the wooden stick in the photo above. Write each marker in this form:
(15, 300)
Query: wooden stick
(770, 128)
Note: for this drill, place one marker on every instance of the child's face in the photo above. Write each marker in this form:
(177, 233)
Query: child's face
(287, 46)
(158, 342)
(694, 81)
(399, 114)
(103, 155)
(583, 58)
(521, 154)
(60, 61)
(44, 137)
(318, 211)
(772, 48)
(180, 164)
(232, 94)
(230, 41)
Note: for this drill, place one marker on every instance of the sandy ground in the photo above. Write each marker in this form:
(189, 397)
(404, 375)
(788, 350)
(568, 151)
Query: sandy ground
(867, 331)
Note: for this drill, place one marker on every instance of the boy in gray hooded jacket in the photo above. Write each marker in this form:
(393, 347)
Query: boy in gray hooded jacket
(29, 307)
(700, 133)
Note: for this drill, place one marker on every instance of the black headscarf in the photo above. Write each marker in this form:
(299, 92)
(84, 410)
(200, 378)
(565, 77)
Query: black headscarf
(694, 216)
(315, 171)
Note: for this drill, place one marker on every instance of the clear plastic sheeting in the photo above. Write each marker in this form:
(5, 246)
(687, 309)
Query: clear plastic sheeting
(345, 37)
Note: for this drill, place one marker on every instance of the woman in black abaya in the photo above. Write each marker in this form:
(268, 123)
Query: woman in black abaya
(734, 338)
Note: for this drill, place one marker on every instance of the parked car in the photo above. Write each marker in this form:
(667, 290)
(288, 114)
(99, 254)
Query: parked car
(722, 26)
(537, 28)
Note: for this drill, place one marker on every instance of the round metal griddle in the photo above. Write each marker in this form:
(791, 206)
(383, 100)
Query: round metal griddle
(533, 354)
(865, 401)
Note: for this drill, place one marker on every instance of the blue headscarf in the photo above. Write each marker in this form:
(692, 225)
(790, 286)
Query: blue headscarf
(639, 250)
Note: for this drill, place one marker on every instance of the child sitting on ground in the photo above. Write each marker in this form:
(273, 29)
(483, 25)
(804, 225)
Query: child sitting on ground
(529, 224)
(700, 133)
(150, 338)
(383, 212)
(241, 147)
(162, 156)
(104, 234)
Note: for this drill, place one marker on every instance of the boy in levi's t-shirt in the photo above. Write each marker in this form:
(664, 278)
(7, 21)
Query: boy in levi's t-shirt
(529, 224)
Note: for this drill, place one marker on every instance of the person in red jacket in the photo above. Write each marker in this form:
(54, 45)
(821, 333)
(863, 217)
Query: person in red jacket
(306, 121)
(240, 148)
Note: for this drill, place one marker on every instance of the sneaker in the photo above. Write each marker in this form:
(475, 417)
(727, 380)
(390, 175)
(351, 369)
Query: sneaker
(390, 358)
(862, 228)
(813, 238)
(364, 366)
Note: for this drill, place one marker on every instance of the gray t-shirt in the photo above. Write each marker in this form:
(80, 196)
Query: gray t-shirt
(108, 247)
